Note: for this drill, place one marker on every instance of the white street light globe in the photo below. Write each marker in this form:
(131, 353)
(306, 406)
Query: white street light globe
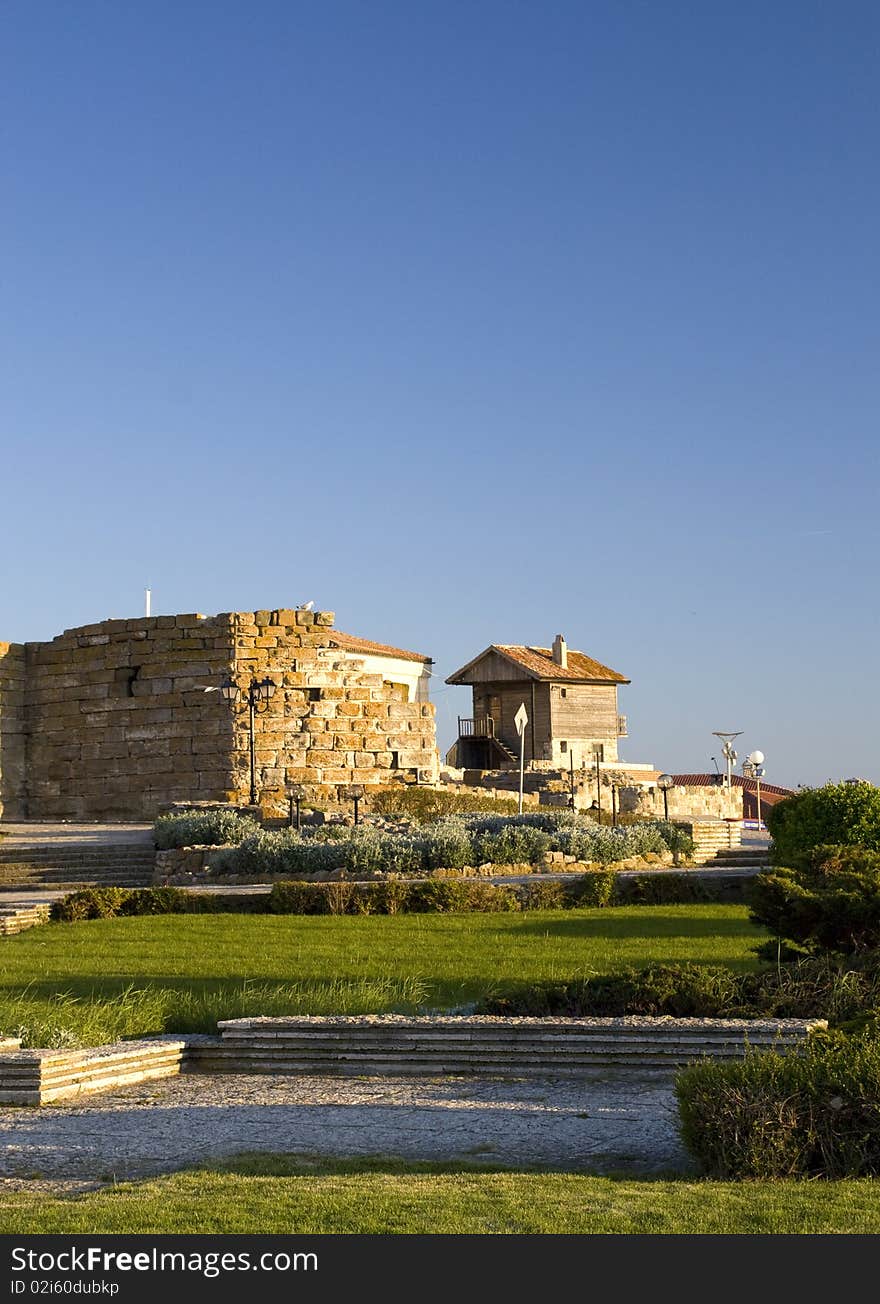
(756, 758)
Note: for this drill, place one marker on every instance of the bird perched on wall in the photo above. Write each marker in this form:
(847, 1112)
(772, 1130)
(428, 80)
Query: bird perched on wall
(306, 606)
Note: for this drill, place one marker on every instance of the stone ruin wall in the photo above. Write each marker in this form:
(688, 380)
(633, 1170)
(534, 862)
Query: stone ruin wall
(110, 721)
(116, 726)
(329, 723)
(12, 731)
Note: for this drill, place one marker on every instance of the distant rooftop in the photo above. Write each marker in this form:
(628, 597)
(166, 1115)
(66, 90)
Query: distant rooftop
(365, 646)
(737, 780)
(538, 663)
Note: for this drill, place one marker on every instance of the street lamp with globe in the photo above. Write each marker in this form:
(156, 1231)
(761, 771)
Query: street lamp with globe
(664, 783)
(753, 767)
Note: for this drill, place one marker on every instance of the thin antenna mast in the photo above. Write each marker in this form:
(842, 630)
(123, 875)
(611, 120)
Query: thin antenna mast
(148, 595)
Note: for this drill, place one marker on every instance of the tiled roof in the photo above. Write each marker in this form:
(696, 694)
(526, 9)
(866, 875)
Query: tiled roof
(539, 663)
(738, 781)
(351, 643)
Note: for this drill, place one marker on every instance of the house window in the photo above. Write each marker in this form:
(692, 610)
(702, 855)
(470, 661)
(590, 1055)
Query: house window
(563, 747)
(563, 692)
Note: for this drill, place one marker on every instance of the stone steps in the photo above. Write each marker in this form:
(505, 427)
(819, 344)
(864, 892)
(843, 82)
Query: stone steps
(77, 865)
(17, 918)
(498, 1047)
(38, 1077)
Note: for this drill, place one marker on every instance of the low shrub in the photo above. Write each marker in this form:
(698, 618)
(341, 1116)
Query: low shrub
(516, 844)
(831, 903)
(446, 896)
(673, 889)
(113, 902)
(803, 989)
(426, 805)
(389, 898)
(210, 828)
(838, 814)
(584, 891)
(814, 1114)
(449, 843)
(89, 903)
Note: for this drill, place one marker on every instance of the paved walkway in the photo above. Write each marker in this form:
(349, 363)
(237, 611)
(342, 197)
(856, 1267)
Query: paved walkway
(609, 1122)
(33, 834)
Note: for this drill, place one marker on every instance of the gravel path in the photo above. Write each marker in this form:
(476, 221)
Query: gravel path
(610, 1122)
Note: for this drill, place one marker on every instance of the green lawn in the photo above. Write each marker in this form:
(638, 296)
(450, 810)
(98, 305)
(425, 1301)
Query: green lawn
(92, 982)
(283, 1196)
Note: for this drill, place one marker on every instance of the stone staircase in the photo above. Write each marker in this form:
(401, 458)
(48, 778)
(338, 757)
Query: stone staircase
(122, 864)
(753, 859)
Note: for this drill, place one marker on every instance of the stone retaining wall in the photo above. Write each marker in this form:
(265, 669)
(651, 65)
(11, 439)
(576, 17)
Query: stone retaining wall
(395, 1045)
(381, 1044)
(191, 866)
(38, 1077)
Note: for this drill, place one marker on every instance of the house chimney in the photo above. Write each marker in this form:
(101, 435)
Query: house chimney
(560, 652)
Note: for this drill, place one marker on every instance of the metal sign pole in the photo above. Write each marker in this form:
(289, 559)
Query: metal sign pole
(521, 719)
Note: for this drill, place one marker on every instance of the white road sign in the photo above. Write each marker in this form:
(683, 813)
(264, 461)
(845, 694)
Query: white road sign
(521, 719)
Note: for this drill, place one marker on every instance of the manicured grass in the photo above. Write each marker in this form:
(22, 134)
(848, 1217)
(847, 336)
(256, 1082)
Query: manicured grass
(286, 1196)
(94, 981)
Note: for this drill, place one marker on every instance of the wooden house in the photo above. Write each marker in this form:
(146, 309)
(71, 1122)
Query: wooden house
(570, 699)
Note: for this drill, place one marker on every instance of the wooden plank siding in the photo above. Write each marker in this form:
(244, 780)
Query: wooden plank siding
(495, 669)
(586, 714)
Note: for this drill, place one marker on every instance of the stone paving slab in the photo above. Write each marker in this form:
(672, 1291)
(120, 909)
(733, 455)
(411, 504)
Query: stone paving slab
(603, 1123)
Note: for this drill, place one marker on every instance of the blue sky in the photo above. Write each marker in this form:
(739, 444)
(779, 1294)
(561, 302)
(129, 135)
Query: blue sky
(473, 322)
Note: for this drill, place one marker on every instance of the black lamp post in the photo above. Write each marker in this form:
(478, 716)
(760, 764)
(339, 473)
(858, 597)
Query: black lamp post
(664, 783)
(295, 792)
(355, 791)
(257, 694)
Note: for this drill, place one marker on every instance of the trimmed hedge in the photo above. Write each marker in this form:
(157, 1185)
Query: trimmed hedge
(437, 895)
(393, 896)
(112, 902)
(815, 1114)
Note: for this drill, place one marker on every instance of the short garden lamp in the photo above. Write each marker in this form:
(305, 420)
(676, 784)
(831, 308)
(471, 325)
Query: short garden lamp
(664, 783)
(355, 791)
(258, 693)
(295, 792)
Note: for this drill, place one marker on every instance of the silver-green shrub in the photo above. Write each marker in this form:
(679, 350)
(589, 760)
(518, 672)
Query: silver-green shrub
(209, 828)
